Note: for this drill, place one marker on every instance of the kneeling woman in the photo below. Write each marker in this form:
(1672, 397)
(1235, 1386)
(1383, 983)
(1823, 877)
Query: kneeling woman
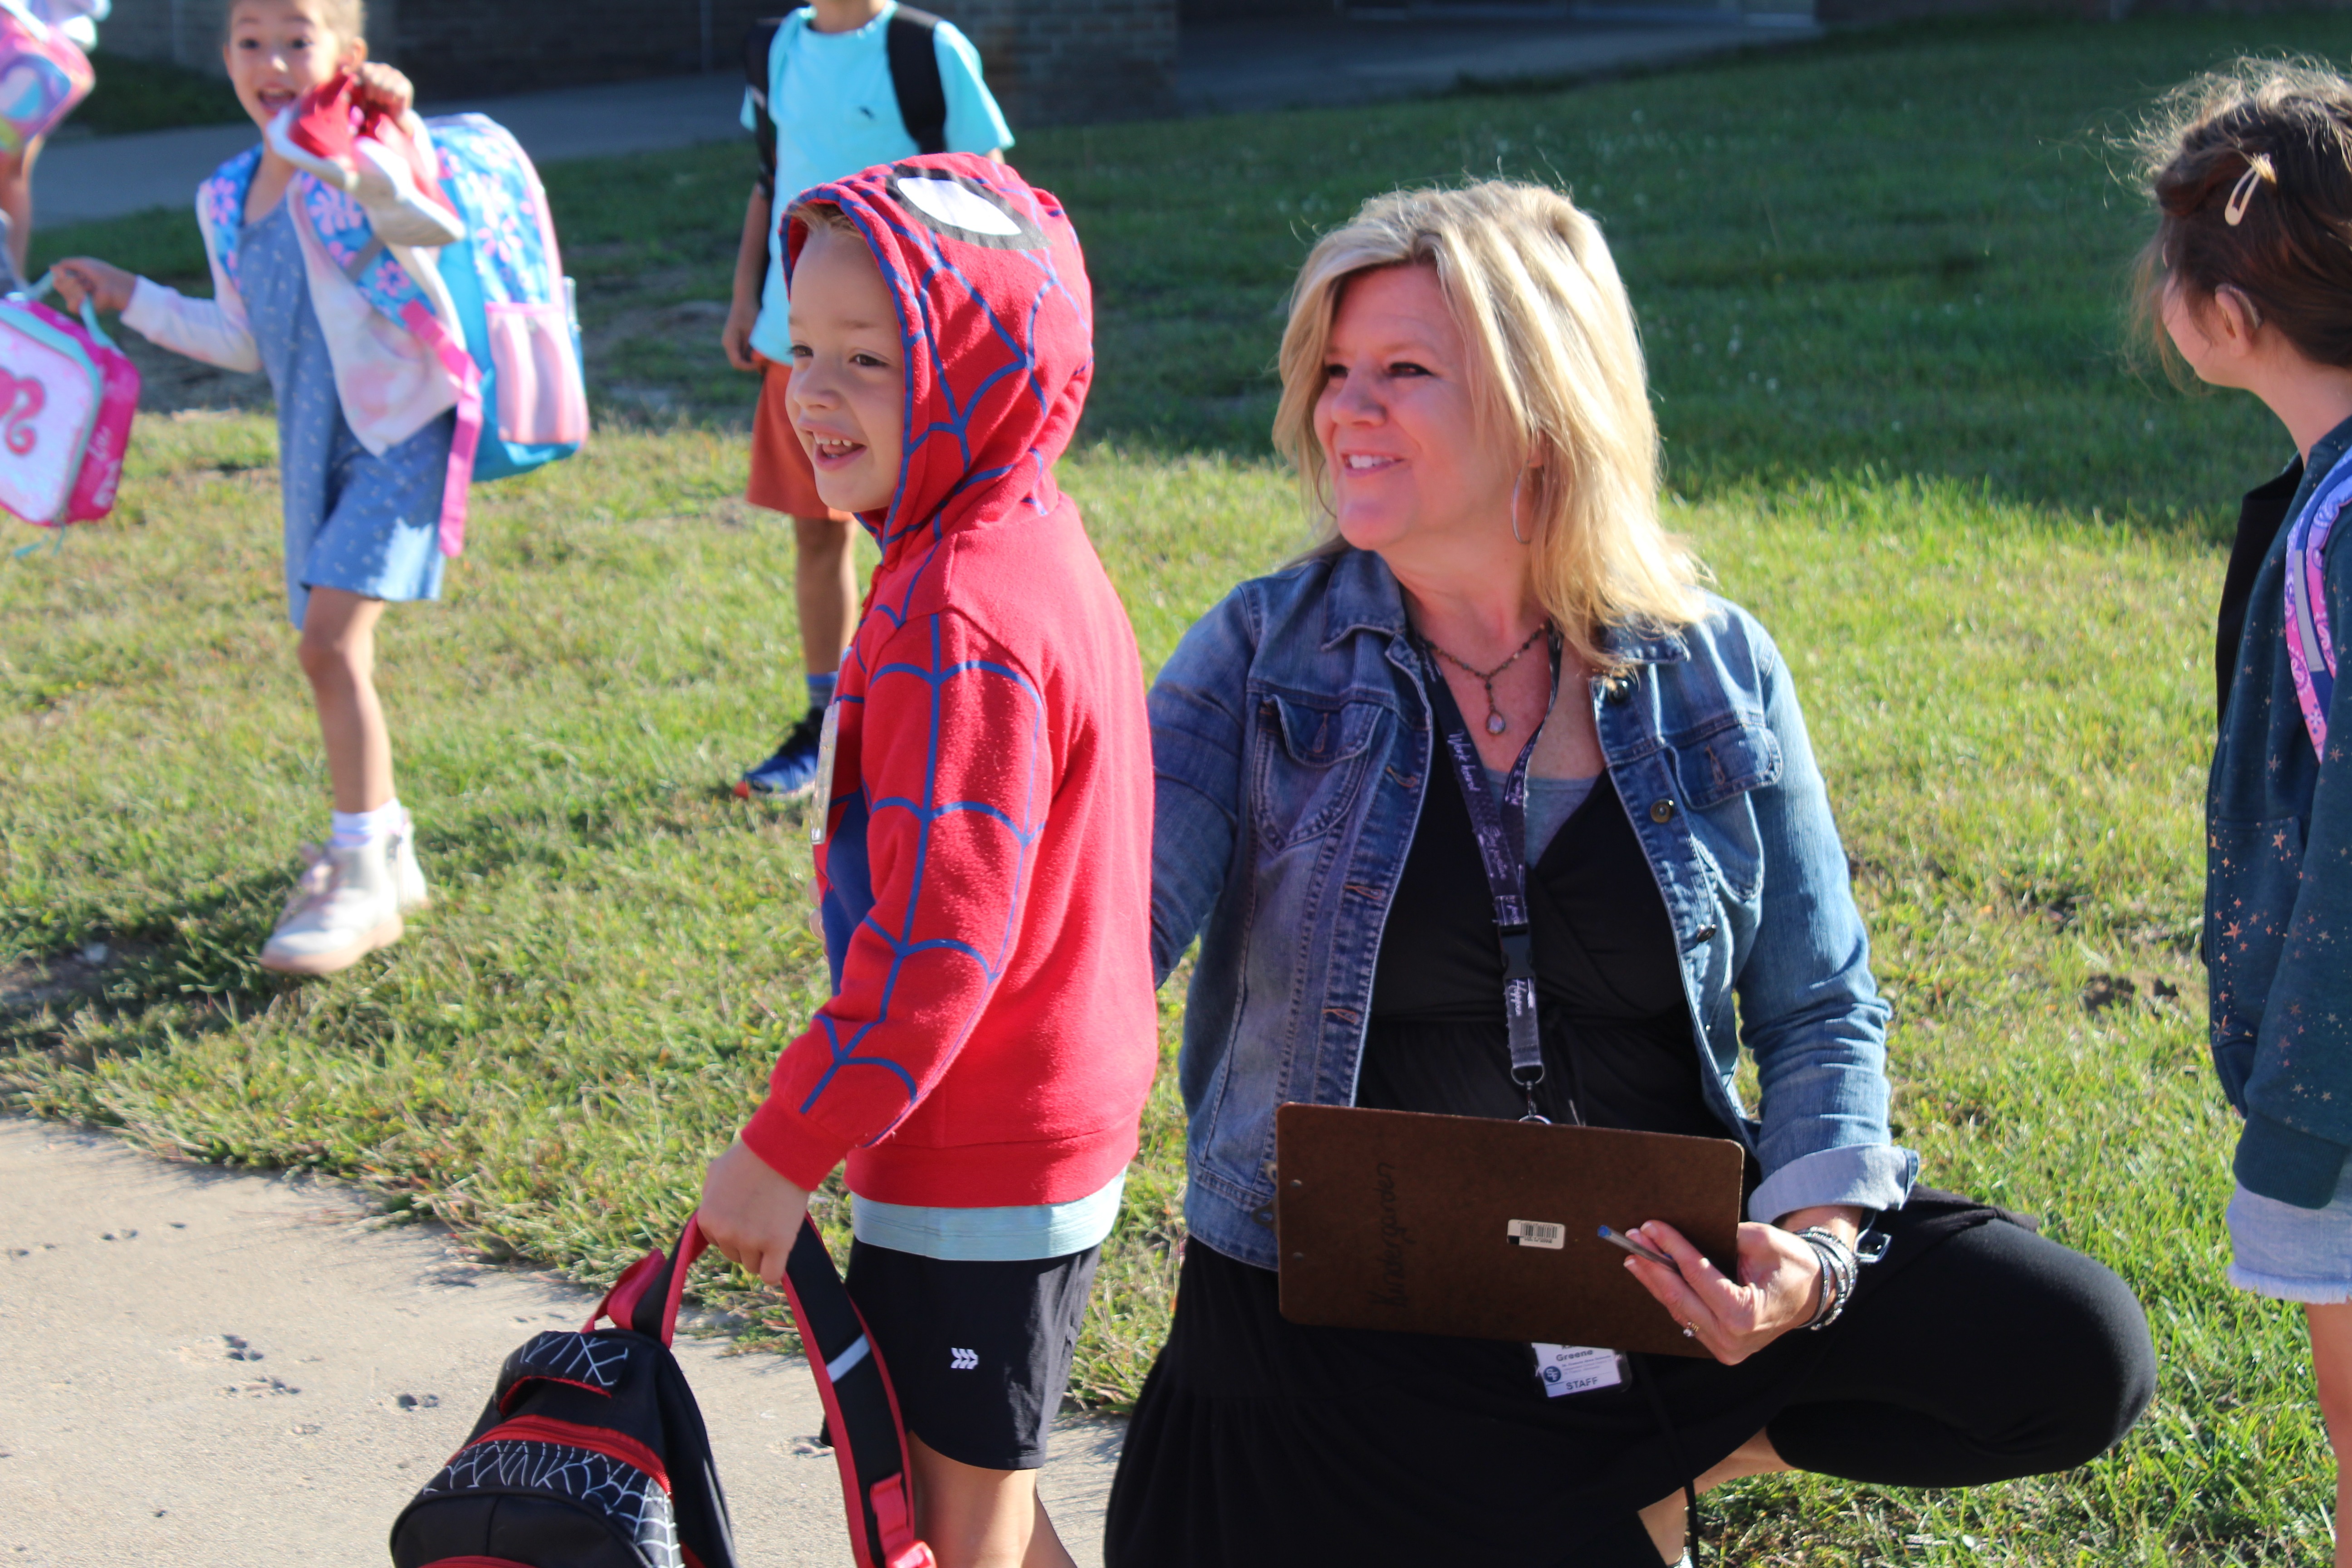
(1462, 392)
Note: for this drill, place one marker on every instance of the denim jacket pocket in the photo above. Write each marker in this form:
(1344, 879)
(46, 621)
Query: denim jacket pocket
(1714, 770)
(1310, 755)
(2252, 870)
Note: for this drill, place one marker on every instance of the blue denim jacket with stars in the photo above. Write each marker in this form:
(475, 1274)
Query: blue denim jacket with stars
(2278, 889)
(1291, 742)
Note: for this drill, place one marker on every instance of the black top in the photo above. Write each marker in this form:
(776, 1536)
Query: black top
(2260, 516)
(1616, 1026)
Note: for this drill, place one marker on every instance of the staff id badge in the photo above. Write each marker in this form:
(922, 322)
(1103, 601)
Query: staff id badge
(1578, 1369)
(821, 808)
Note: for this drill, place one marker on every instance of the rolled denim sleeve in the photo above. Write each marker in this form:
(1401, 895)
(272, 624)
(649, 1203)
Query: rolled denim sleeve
(1810, 1013)
(1196, 757)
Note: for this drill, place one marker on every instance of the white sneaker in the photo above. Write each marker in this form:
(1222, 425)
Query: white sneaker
(345, 906)
(407, 875)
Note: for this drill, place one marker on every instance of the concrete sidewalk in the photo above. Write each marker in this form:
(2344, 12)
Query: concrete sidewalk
(218, 1370)
(1222, 67)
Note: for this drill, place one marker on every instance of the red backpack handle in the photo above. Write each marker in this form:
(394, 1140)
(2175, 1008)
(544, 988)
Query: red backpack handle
(656, 1277)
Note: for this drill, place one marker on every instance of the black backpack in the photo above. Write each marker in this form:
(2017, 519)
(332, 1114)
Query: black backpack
(592, 1453)
(914, 79)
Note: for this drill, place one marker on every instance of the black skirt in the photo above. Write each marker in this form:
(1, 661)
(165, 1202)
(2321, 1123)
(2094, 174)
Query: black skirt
(1260, 1441)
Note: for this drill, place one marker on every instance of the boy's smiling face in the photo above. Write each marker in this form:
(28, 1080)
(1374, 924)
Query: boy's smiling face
(279, 49)
(848, 396)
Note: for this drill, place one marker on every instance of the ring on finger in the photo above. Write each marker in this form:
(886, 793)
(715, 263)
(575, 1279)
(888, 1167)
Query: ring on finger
(1690, 1331)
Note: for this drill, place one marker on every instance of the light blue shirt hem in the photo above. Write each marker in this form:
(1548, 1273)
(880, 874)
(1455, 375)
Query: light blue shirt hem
(1017, 1234)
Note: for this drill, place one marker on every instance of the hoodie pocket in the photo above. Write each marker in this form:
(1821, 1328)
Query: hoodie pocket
(2251, 873)
(1311, 756)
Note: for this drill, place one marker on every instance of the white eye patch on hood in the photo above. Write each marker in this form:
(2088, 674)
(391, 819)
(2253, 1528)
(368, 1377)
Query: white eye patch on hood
(962, 209)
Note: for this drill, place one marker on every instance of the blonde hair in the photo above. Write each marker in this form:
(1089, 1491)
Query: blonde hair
(826, 216)
(1555, 363)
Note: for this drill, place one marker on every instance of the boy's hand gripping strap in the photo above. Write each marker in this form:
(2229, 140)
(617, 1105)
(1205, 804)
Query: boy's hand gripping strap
(861, 1409)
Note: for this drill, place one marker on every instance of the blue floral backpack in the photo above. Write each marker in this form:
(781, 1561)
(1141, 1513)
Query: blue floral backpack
(522, 401)
(506, 278)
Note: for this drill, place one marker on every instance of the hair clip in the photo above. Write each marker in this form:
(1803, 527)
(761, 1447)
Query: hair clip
(2258, 169)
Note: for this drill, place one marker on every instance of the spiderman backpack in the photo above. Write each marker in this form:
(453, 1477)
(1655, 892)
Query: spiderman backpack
(592, 1453)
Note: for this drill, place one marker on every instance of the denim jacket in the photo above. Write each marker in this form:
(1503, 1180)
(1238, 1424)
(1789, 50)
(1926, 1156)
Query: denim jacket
(1291, 742)
(2279, 982)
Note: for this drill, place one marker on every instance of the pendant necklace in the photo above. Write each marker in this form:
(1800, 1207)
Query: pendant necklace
(1496, 722)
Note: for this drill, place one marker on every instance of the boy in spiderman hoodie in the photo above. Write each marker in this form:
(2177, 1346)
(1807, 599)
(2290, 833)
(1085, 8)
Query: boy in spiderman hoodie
(983, 828)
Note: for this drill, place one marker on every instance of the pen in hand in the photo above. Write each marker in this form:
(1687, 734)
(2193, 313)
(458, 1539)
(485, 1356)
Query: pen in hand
(1635, 1247)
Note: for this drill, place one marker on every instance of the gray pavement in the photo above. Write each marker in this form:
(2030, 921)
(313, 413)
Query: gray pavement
(108, 176)
(208, 1369)
(1223, 66)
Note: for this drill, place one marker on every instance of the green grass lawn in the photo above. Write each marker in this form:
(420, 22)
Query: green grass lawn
(1985, 544)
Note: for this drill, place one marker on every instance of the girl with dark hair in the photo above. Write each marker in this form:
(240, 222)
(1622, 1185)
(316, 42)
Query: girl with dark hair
(2249, 281)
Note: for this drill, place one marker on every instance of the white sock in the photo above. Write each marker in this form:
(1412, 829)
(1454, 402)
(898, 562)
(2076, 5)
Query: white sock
(354, 828)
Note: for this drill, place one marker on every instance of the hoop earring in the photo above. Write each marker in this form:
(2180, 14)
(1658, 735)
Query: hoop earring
(1515, 508)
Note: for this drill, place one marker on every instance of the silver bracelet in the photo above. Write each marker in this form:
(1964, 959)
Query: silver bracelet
(1839, 1268)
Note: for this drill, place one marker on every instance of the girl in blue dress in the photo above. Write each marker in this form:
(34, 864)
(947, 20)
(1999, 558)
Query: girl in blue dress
(303, 290)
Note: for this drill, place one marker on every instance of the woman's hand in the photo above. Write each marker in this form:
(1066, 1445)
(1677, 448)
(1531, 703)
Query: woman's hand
(83, 277)
(1779, 1287)
(383, 87)
(752, 1214)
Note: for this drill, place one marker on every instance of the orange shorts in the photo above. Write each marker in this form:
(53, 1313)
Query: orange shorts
(782, 479)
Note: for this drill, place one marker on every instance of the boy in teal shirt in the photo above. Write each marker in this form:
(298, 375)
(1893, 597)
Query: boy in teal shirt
(836, 87)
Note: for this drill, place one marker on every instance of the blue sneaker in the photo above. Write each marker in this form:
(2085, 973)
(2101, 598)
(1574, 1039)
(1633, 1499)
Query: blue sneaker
(792, 772)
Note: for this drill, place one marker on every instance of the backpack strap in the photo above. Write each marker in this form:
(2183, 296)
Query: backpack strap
(644, 1299)
(861, 1409)
(914, 78)
(759, 61)
(2310, 640)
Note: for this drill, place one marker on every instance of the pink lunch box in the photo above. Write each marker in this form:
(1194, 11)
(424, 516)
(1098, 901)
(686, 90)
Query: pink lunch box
(67, 398)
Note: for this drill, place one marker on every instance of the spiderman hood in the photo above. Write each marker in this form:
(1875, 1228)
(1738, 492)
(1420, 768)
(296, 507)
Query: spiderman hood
(997, 320)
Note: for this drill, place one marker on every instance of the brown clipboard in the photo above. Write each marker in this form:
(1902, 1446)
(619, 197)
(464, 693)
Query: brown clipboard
(1436, 1224)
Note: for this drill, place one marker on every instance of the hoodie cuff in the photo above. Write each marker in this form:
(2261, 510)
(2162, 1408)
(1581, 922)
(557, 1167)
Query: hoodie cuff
(2297, 1168)
(793, 1146)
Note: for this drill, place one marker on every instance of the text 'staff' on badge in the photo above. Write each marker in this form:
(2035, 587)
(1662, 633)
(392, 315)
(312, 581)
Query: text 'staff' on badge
(1537, 1233)
(962, 209)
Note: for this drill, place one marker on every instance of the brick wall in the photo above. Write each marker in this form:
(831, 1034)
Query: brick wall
(1048, 61)
(1070, 61)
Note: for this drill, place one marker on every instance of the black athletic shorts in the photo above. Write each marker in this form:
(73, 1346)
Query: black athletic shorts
(979, 1353)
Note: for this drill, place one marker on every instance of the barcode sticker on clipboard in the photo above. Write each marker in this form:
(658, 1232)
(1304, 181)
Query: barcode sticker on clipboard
(1537, 1233)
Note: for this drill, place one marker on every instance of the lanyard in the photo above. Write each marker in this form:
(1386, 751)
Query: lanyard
(1501, 827)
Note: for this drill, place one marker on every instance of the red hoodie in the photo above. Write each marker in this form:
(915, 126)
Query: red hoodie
(986, 862)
